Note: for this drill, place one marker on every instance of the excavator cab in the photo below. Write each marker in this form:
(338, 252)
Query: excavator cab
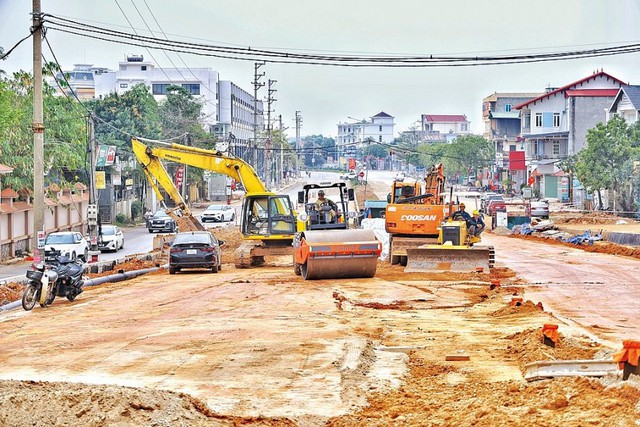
(267, 215)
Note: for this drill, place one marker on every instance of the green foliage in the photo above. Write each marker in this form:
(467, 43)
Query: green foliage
(134, 112)
(466, 154)
(64, 135)
(379, 151)
(607, 161)
(316, 150)
(136, 209)
(121, 218)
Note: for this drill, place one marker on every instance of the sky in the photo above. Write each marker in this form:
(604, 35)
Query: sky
(328, 95)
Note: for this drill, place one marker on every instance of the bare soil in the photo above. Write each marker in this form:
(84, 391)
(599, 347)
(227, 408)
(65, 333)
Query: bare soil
(262, 347)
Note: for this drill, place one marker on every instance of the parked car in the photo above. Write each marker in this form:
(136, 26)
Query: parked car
(488, 197)
(540, 209)
(112, 238)
(218, 213)
(195, 249)
(68, 243)
(492, 203)
(160, 221)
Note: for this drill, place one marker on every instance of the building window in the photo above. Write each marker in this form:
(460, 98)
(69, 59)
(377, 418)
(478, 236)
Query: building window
(380, 137)
(507, 108)
(527, 121)
(556, 120)
(538, 120)
(379, 128)
(463, 127)
(192, 88)
(556, 148)
(123, 85)
(159, 89)
(143, 67)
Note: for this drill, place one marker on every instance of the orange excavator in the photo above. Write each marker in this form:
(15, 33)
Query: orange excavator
(413, 217)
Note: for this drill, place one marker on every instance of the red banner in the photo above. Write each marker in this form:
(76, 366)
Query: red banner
(352, 164)
(179, 175)
(516, 161)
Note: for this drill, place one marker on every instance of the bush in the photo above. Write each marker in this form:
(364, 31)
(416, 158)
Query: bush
(136, 209)
(121, 218)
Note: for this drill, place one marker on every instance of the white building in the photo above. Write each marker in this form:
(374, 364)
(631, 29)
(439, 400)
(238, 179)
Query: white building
(445, 127)
(202, 83)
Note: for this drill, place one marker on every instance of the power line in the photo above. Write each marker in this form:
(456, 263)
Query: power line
(292, 57)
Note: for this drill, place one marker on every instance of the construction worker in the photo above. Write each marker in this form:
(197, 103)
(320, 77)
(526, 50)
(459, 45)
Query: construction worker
(322, 201)
(461, 213)
(476, 224)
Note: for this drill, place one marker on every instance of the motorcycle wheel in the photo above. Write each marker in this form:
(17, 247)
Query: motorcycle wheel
(29, 297)
(72, 296)
(49, 300)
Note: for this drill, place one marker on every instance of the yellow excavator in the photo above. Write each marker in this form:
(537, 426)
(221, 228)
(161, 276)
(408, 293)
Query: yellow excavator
(269, 221)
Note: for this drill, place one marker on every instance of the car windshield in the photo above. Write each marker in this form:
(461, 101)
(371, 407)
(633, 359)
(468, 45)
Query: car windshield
(108, 231)
(53, 239)
(160, 214)
(215, 208)
(191, 238)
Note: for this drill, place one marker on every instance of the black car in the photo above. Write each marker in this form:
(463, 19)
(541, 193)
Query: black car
(195, 249)
(160, 221)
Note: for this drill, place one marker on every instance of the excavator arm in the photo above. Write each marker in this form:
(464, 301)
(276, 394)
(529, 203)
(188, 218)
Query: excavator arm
(155, 171)
(201, 158)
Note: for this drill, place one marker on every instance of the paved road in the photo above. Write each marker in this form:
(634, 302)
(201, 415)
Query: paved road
(598, 292)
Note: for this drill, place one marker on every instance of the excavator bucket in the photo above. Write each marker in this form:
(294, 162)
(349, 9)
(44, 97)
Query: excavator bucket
(337, 254)
(431, 258)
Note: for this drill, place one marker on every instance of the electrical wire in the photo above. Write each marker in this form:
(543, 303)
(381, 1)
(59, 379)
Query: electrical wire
(289, 57)
(5, 55)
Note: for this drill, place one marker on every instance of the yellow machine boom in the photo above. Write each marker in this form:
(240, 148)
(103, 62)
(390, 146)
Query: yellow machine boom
(268, 220)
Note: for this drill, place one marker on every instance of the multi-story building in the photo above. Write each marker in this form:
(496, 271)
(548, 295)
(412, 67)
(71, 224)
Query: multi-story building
(445, 127)
(502, 127)
(80, 80)
(238, 115)
(352, 136)
(202, 83)
(554, 126)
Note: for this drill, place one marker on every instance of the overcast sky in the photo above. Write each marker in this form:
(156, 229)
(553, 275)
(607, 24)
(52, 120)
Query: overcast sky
(329, 95)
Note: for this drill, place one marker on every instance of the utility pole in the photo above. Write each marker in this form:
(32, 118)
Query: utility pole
(92, 209)
(297, 150)
(256, 85)
(281, 172)
(38, 132)
(270, 100)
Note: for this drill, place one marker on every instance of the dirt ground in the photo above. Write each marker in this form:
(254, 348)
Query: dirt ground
(262, 347)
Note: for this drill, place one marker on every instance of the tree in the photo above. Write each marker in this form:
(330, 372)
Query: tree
(469, 153)
(64, 135)
(316, 149)
(120, 116)
(607, 161)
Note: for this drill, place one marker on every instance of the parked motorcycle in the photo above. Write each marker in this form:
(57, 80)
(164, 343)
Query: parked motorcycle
(61, 277)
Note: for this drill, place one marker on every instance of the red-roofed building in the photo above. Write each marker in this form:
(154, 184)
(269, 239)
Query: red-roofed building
(554, 126)
(448, 126)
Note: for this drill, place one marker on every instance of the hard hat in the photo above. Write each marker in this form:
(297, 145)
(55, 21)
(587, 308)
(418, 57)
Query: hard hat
(476, 213)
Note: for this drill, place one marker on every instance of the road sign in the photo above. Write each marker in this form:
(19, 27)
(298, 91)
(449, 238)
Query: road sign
(362, 174)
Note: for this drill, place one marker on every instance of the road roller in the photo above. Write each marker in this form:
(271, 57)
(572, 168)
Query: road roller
(328, 248)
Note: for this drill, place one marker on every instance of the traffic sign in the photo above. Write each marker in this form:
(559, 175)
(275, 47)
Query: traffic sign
(361, 174)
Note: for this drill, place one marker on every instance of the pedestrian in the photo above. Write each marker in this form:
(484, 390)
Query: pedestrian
(147, 216)
(476, 224)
